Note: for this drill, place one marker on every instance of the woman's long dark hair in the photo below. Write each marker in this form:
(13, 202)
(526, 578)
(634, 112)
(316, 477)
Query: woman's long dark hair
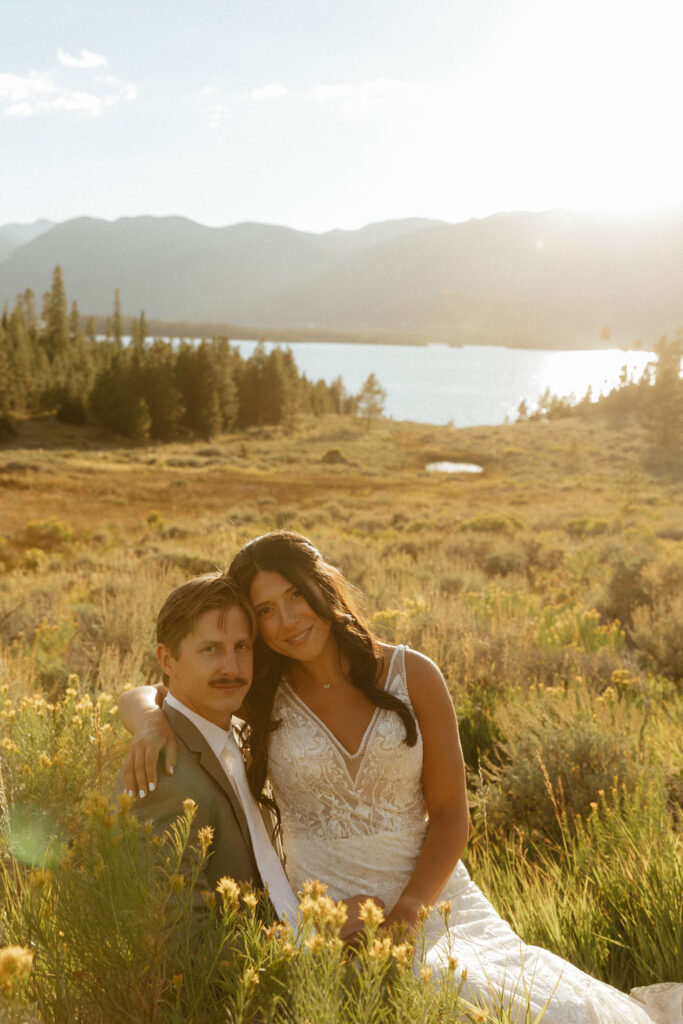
(302, 565)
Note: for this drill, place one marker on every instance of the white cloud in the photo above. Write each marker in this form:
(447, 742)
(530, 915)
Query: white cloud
(41, 92)
(87, 59)
(275, 91)
(18, 88)
(352, 100)
(23, 109)
(77, 101)
(209, 90)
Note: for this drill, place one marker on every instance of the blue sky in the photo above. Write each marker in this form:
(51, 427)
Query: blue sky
(321, 114)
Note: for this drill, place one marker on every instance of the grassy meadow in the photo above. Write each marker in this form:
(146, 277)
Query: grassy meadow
(549, 589)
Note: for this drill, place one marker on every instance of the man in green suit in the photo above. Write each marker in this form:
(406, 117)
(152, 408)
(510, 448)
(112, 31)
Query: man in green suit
(205, 632)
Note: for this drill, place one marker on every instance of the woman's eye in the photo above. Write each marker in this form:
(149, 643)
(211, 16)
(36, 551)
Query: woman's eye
(263, 611)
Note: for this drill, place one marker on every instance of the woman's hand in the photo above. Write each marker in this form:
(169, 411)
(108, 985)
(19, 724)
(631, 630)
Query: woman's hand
(142, 716)
(352, 931)
(405, 914)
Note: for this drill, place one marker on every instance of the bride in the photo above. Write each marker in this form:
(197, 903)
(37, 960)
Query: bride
(360, 742)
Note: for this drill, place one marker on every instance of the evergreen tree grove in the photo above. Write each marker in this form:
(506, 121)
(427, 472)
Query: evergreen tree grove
(158, 390)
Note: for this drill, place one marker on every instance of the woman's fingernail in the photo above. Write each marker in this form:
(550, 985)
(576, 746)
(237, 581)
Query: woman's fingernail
(142, 794)
(171, 770)
(152, 787)
(131, 794)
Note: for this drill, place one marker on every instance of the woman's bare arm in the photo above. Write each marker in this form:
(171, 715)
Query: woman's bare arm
(142, 716)
(444, 788)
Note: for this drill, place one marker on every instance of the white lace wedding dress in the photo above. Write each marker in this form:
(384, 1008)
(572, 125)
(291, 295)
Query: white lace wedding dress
(358, 823)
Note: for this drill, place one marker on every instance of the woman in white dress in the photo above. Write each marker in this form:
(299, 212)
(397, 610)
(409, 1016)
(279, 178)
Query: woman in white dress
(360, 742)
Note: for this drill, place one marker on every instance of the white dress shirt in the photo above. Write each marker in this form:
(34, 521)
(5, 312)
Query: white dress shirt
(224, 745)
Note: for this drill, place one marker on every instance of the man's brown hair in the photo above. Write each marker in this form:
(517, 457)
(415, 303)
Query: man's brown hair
(186, 603)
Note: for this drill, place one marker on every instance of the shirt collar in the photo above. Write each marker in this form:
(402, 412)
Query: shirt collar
(213, 734)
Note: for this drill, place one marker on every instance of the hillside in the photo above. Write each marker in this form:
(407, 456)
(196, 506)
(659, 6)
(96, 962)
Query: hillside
(551, 279)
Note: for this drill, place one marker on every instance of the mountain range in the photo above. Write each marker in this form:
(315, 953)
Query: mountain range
(555, 279)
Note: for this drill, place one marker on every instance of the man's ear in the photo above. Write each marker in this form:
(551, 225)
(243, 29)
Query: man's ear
(165, 659)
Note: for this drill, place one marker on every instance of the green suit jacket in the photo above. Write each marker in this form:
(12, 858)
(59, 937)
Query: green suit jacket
(199, 775)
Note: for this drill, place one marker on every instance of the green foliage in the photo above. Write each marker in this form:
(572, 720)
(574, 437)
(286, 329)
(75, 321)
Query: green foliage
(559, 752)
(491, 523)
(605, 895)
(662, 409)
(48, 534)
(371, 399)
(159, 390)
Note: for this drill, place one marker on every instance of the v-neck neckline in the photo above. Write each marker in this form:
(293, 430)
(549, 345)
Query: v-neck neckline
(347, 755)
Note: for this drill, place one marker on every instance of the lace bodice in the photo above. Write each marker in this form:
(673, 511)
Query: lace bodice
(326, 793)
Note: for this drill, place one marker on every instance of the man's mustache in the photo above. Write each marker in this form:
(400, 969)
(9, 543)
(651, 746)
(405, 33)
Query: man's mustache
(230, 681)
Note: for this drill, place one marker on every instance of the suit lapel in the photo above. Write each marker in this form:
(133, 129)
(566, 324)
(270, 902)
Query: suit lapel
(193, 739)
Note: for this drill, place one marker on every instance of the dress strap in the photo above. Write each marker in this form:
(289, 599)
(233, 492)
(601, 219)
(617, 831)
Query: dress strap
(397, 682)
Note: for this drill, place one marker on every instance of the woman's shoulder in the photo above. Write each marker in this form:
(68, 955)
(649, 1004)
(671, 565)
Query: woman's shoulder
(422, 676)
(426, 686)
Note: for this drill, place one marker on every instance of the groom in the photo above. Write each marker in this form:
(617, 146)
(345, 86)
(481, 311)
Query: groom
(205, 632)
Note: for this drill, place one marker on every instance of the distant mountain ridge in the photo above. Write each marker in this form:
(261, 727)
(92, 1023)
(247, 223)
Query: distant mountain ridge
(554, 279)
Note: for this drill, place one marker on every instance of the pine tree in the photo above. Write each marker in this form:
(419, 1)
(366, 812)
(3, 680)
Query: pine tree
(162, 395)
(226, 361)
(199, 383)
(55, 334)
(663, 402)
(371, 399)
(116, 324)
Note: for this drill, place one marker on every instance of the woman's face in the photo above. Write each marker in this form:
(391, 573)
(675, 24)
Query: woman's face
(285, 619)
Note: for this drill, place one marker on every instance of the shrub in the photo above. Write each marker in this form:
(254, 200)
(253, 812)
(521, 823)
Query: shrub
(559, 752)
(48, 534)
(492, 522)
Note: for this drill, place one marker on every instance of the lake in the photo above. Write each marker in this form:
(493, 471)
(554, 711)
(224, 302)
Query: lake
(468, 386)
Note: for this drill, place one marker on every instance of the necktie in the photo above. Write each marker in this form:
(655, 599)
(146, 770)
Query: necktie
(272, 873)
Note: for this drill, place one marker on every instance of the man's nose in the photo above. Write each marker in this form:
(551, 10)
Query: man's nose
(229, 663)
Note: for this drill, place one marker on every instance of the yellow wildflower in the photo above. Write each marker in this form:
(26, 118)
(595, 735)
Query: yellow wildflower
(315, 943)
(314, 888)
(15, 965)
(401, 953)
(126, 801)
(228, 890)
(380, 948)
(426, 973)
(177, 882)
(250, 978)
(205, 836)
(452, 964)
(250, 900)
(189, 808)
(370, 914)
